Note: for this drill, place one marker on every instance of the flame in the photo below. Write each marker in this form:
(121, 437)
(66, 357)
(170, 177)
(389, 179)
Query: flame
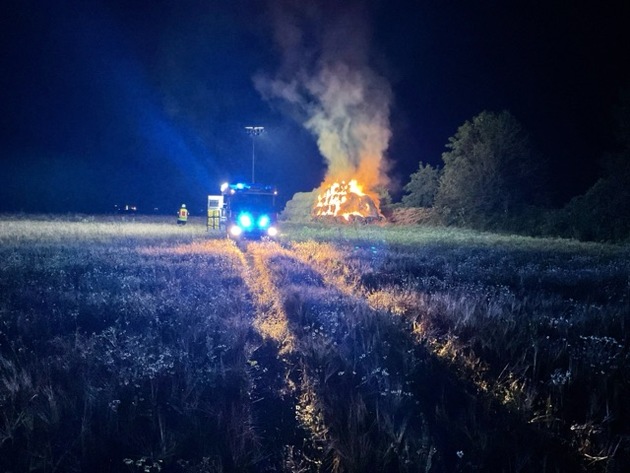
(355, 188)
(347, 201)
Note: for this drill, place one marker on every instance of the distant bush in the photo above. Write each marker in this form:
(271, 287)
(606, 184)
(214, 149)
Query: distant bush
(602, 213)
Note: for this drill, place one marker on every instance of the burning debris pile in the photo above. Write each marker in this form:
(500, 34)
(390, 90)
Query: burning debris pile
(346, 202)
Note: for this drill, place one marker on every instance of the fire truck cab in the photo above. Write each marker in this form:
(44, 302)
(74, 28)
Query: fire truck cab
(247, 210)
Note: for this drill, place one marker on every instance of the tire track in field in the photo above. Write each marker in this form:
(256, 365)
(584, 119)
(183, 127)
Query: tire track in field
(270, 318)
(275, 369)
(466, 415)
(353, 366)
(360, 414)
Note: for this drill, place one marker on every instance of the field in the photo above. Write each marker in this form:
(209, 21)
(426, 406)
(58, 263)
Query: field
(139, 346)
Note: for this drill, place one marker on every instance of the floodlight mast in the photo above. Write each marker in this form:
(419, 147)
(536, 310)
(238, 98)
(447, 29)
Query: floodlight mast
(254, 131)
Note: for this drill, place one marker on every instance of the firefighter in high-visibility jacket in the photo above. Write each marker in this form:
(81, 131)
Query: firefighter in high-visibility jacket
(182, 215)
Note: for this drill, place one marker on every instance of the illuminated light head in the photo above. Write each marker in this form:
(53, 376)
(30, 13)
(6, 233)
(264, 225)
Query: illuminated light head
(240, 185)
(224, 186)
(245, 220)
(264, 221)
(235, 230)
(272, 231)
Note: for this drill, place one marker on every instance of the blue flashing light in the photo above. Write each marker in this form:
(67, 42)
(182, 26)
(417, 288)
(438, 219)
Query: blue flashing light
(264, 221)
(240, 185)
(245, 221)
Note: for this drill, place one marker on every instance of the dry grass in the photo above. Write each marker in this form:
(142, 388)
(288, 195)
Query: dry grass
(146, 345)
(533, 329)
(270, 319)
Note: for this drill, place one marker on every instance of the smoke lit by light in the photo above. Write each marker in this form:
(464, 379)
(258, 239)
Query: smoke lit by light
(326, 83)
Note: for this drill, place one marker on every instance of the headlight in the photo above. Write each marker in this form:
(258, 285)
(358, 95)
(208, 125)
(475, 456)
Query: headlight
(235, 230)
(245, 220)
(272, 231)
(264, 221)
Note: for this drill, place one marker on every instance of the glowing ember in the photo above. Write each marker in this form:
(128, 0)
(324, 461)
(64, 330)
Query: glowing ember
(346, 201)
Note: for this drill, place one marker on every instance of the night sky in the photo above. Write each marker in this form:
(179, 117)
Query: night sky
(145, 102)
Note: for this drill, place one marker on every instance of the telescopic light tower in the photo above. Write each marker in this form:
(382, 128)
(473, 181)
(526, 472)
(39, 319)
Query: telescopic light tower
(254, 131)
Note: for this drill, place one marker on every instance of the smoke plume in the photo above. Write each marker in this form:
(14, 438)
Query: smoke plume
(326, 83)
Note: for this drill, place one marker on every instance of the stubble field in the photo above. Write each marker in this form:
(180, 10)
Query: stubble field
(136, 345)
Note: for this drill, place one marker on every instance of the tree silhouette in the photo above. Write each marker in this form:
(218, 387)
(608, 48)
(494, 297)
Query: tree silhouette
(422, 187)
(602, 212)
(488, 174)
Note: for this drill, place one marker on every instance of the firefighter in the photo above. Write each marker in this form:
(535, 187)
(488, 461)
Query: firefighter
(182, 215)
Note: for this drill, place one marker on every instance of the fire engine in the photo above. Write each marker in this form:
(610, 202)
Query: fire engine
(244, 210)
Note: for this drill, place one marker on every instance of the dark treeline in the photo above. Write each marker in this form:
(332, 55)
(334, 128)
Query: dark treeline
(493, 179)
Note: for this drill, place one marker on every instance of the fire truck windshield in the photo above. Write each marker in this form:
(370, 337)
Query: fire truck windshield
(252, 202)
